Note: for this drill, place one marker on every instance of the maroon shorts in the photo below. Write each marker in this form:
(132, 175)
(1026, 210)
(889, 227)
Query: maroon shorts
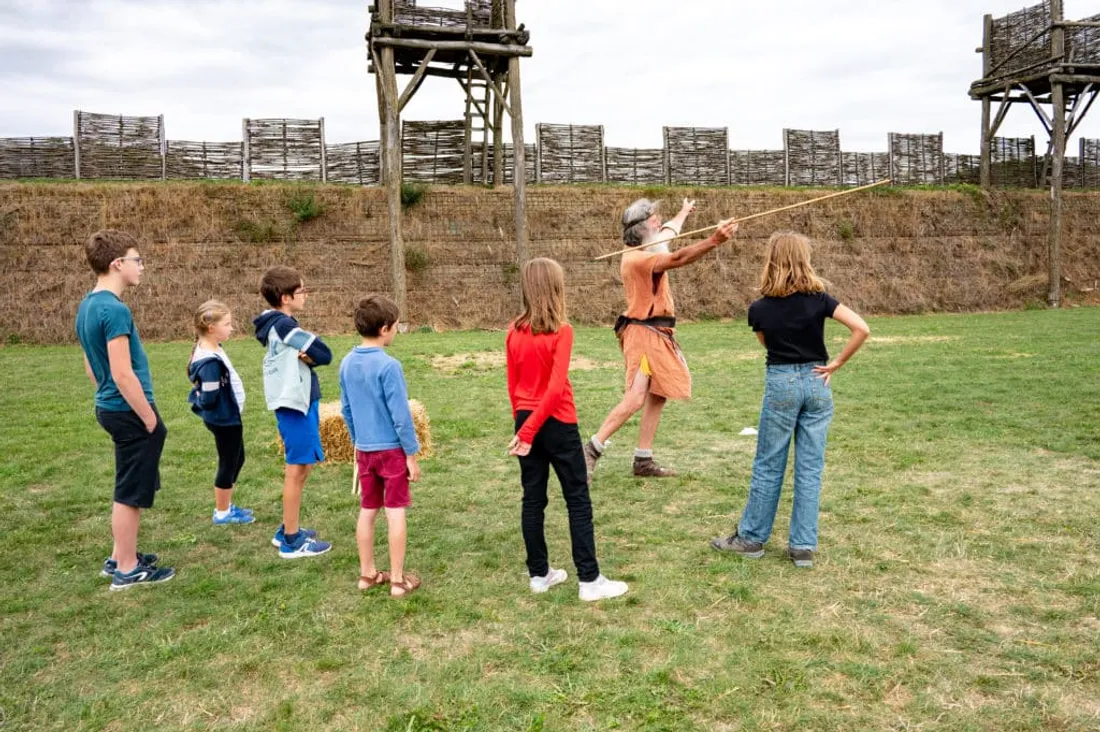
(383, 479)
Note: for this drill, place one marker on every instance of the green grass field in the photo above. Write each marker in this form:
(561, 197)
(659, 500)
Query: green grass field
(957, 586)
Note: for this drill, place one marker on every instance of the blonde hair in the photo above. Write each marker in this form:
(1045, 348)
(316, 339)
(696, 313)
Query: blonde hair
(543, 289)
(209, 313)
(787, 267)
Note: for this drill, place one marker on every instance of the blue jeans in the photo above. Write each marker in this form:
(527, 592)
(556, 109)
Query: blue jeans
(799, 405)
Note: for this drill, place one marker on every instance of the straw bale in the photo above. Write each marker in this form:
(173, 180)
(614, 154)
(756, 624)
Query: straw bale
(336, 441)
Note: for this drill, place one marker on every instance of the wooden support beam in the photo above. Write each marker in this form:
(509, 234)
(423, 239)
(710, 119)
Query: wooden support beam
(1048, 124)
(985, 178)
(415, 82)
(390, 154)
(467, 90)
(519, 178)
(1076, 118)
(1054, 243)
(489, 49)
(489, 79)
(1002, 111)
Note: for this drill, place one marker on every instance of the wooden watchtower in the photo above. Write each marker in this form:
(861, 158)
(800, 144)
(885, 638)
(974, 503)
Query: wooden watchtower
(480, 47)
(1035, 57)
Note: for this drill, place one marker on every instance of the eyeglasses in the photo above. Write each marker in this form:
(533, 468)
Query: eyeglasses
(139, 260)
(300, 291)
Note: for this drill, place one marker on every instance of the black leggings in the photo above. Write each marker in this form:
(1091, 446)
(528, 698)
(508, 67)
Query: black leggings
(230, 442)
(557, 445)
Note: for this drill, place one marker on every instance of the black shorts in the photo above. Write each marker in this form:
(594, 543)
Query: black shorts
(137, 456)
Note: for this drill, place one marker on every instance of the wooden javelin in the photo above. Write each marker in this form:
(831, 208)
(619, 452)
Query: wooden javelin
(882, 182)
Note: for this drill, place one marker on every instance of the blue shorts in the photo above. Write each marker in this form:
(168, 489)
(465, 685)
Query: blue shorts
(301, 435)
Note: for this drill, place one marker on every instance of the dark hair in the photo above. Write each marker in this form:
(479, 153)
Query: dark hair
(104, 247)
(373, 313)
(278, 281)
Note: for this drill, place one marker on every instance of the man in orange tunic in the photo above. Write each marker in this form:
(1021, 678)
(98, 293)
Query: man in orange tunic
(656, 370)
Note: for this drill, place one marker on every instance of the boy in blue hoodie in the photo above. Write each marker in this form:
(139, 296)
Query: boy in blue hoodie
(292, 391)
(375, 405)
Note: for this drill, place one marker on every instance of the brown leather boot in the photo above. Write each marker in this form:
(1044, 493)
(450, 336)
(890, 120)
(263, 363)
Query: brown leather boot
(648, 468)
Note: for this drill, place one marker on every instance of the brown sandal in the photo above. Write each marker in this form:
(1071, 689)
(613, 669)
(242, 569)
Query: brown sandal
(406, 586)
(380, 578)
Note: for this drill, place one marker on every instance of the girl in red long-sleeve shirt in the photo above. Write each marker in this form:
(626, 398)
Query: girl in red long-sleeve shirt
(538, 346)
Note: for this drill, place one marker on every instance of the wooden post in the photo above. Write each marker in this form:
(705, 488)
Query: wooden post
(519, 182)
(498, 139)
(390, 150)
(985, 177)
(467, 128)
(538, 152)
(246, 156)
(603, 157)
(668, 158)
(163, 143)
(324, 152)
(786, 158)
(76, 143)
(1058, 99)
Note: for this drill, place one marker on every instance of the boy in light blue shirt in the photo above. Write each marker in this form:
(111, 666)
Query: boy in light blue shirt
(375, 404)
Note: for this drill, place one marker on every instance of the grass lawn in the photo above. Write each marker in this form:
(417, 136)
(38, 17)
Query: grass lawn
(957, 586)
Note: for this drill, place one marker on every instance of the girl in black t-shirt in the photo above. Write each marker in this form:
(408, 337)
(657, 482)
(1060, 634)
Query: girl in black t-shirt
(789, 321)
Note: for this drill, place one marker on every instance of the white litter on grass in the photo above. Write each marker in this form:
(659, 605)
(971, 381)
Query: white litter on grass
(748, 431)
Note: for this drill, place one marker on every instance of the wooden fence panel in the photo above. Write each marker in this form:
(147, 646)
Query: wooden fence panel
(1013, 162)
(697, 156)
(758, 167)
(569, 153)
(813, 157)
(916, 159)
(432, 152)
(117, 146)
(284, 149)
(354, 162)
(863, 168)
(635, 166)
(36, 157)
(216, 160)
(1020, 33)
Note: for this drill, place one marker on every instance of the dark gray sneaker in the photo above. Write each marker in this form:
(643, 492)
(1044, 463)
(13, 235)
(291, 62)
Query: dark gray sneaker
(591, 455)
(110, 565)
(143, 574)
(801, 557)
(737, 545)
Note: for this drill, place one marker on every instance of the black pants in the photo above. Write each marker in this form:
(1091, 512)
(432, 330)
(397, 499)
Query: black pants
(557, 445)
(137, 455)
(229, 440)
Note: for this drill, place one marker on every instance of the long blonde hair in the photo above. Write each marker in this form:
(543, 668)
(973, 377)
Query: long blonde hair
(787, 267)
(543, 288)
(208, 314)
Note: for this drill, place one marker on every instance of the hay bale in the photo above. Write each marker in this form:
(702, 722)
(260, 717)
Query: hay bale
(336, 441)
(423, 428)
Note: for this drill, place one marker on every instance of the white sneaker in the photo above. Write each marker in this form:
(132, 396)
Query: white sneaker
(553, 577)
(601, 588)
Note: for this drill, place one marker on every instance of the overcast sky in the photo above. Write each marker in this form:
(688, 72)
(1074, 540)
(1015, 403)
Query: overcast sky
(864, 66)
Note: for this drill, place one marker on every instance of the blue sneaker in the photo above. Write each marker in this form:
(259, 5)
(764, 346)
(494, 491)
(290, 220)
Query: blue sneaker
(277, 540)
(110, 565)
(236, 515)
(143, 574)
(303, 546)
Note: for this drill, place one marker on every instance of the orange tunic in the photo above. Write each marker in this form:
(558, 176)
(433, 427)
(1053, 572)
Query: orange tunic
(651, 349)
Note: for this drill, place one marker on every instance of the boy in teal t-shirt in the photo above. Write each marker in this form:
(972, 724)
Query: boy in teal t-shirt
(118, 367)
